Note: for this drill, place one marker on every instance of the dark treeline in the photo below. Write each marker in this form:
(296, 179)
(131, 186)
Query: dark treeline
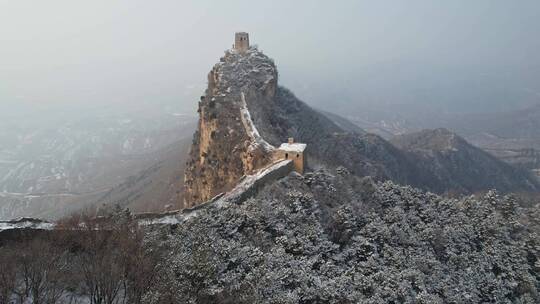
(83, 261)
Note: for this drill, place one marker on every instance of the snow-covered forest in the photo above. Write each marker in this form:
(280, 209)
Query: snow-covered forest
(326, 237)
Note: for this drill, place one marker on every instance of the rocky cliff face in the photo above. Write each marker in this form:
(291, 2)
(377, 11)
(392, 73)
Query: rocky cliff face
(227, 145)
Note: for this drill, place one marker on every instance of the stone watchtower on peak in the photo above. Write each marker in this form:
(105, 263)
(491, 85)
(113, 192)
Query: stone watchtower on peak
(241, 41)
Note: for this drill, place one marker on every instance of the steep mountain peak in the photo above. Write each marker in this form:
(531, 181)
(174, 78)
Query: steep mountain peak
(227, 144)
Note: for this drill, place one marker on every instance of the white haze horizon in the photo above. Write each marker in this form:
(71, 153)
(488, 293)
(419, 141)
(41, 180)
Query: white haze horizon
(94, 53)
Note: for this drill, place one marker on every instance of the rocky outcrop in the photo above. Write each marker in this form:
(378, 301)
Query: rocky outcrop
(227, 145)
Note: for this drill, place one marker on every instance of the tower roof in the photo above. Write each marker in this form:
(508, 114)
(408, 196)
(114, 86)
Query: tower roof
(294, 147)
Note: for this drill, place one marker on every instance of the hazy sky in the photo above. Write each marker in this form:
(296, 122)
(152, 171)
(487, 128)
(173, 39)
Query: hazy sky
(161, 50)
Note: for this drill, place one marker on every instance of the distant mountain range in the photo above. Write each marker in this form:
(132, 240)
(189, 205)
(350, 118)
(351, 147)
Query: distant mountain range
(53, 163)
(453, 161)
(512, 136)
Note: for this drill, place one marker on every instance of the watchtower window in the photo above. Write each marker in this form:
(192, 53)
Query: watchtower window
(286, 155)
(297, 155)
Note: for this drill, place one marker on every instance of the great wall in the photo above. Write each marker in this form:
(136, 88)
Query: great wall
(228, 144)
(247, 187)
(265, 163)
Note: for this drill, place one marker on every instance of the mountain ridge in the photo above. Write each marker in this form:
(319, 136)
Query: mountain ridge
(466, 168)
(223, 151)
